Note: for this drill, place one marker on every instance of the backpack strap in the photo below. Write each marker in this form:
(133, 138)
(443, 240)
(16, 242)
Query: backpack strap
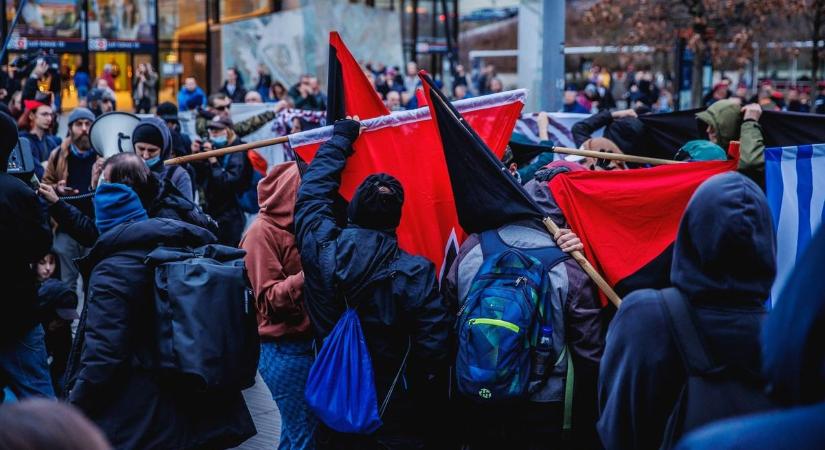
(491, 243)
(685, 333)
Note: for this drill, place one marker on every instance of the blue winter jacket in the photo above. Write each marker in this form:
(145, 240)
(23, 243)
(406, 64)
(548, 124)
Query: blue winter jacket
(191, 99)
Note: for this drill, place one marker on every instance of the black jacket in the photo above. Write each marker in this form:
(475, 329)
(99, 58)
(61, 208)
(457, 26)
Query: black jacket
(25, 237)
(223, 181)
(112, 372)
(238, 96)
(397, 292)
(169, 203)
(627, 134)
(724, 262)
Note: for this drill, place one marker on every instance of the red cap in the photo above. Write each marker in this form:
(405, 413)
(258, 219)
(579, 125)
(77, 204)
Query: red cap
(777, 95)
(32, 105)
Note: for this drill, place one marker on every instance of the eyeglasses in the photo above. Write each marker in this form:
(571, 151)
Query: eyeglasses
(222, 108)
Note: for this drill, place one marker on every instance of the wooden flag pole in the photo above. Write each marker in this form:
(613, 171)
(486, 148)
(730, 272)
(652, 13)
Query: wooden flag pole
(615, 156)
(588, 268)
(223, 151)
(577, 255)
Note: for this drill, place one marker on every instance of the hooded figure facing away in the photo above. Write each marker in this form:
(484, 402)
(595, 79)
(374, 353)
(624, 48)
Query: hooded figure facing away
(396, 294)
(724, 264)
(793, 362)
(274, 268)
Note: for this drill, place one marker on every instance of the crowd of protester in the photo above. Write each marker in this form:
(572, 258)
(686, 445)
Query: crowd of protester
(309, 257)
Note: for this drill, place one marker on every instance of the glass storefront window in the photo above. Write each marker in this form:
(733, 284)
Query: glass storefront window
(239, 9)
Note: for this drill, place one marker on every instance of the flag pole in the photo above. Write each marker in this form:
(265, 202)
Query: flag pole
(615, 156)
(223, 151)
(587, 267)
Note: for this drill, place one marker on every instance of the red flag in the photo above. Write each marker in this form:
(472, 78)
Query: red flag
(349, 92)
(627, 220)
(406, 145)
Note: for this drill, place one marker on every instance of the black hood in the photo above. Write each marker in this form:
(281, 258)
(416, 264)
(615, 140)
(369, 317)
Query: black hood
(369, 208)
(145, 235)
(725, 249)
(793, 340)
(8, 129)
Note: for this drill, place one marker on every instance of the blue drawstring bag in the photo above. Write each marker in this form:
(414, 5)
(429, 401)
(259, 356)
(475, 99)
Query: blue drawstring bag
(340, 388)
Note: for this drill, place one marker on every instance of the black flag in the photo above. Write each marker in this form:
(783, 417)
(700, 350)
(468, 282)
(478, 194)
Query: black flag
(486, 195)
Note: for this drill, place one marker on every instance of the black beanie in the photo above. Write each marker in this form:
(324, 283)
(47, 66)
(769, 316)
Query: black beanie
(148, 134)
(8, 139)
(370, 208)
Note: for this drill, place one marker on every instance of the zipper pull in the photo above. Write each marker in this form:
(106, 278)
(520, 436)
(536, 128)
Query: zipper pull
(520, 280)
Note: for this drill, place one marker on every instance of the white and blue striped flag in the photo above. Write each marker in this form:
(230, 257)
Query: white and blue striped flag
(795, 179)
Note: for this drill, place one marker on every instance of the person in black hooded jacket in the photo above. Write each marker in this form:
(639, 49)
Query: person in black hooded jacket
(159, 197)
(793, 363)
(724, 264)
(398, 300)
(24, 237)
(113, 374)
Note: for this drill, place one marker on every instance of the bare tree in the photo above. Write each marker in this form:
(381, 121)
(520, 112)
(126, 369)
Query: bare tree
(721, 29)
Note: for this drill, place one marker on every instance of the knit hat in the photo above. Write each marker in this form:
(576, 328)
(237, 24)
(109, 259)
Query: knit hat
(147, 134)
(115, 204)
(701, 150)
(80, 113)
(8, 129)
(153, 130)
(377, 203)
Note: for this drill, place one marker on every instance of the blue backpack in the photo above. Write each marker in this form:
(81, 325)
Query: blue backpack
(504, 326)
(340, 387)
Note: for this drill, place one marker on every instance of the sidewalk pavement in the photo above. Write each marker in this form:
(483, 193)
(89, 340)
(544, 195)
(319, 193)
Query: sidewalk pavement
(266, 416)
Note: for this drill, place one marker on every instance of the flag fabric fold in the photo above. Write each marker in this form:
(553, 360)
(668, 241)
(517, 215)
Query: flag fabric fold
(486, 195)
(627, 220)
(795, 181)
(349, 92)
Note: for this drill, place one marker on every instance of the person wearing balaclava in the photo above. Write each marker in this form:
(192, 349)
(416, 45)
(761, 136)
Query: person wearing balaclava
(25, 237)
(399, 303)
(153, 142)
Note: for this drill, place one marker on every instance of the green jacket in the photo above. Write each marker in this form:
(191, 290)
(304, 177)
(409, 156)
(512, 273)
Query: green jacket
(726, 117)
(242, 128)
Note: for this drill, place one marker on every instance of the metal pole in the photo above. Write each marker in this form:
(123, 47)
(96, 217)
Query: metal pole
(552, 58)
(414, 55)
(11, 29)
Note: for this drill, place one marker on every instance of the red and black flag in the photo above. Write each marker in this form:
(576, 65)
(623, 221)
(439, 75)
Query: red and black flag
(406, 145)
(627, 220)
(486, 195)
(349, 92)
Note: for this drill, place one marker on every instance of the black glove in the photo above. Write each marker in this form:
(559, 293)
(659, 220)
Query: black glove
(347, 128)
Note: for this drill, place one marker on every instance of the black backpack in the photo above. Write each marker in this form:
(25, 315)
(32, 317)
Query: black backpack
(206, 327)
(712, 391)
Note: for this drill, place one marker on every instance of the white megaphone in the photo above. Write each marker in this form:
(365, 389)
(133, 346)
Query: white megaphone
(111, 133)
